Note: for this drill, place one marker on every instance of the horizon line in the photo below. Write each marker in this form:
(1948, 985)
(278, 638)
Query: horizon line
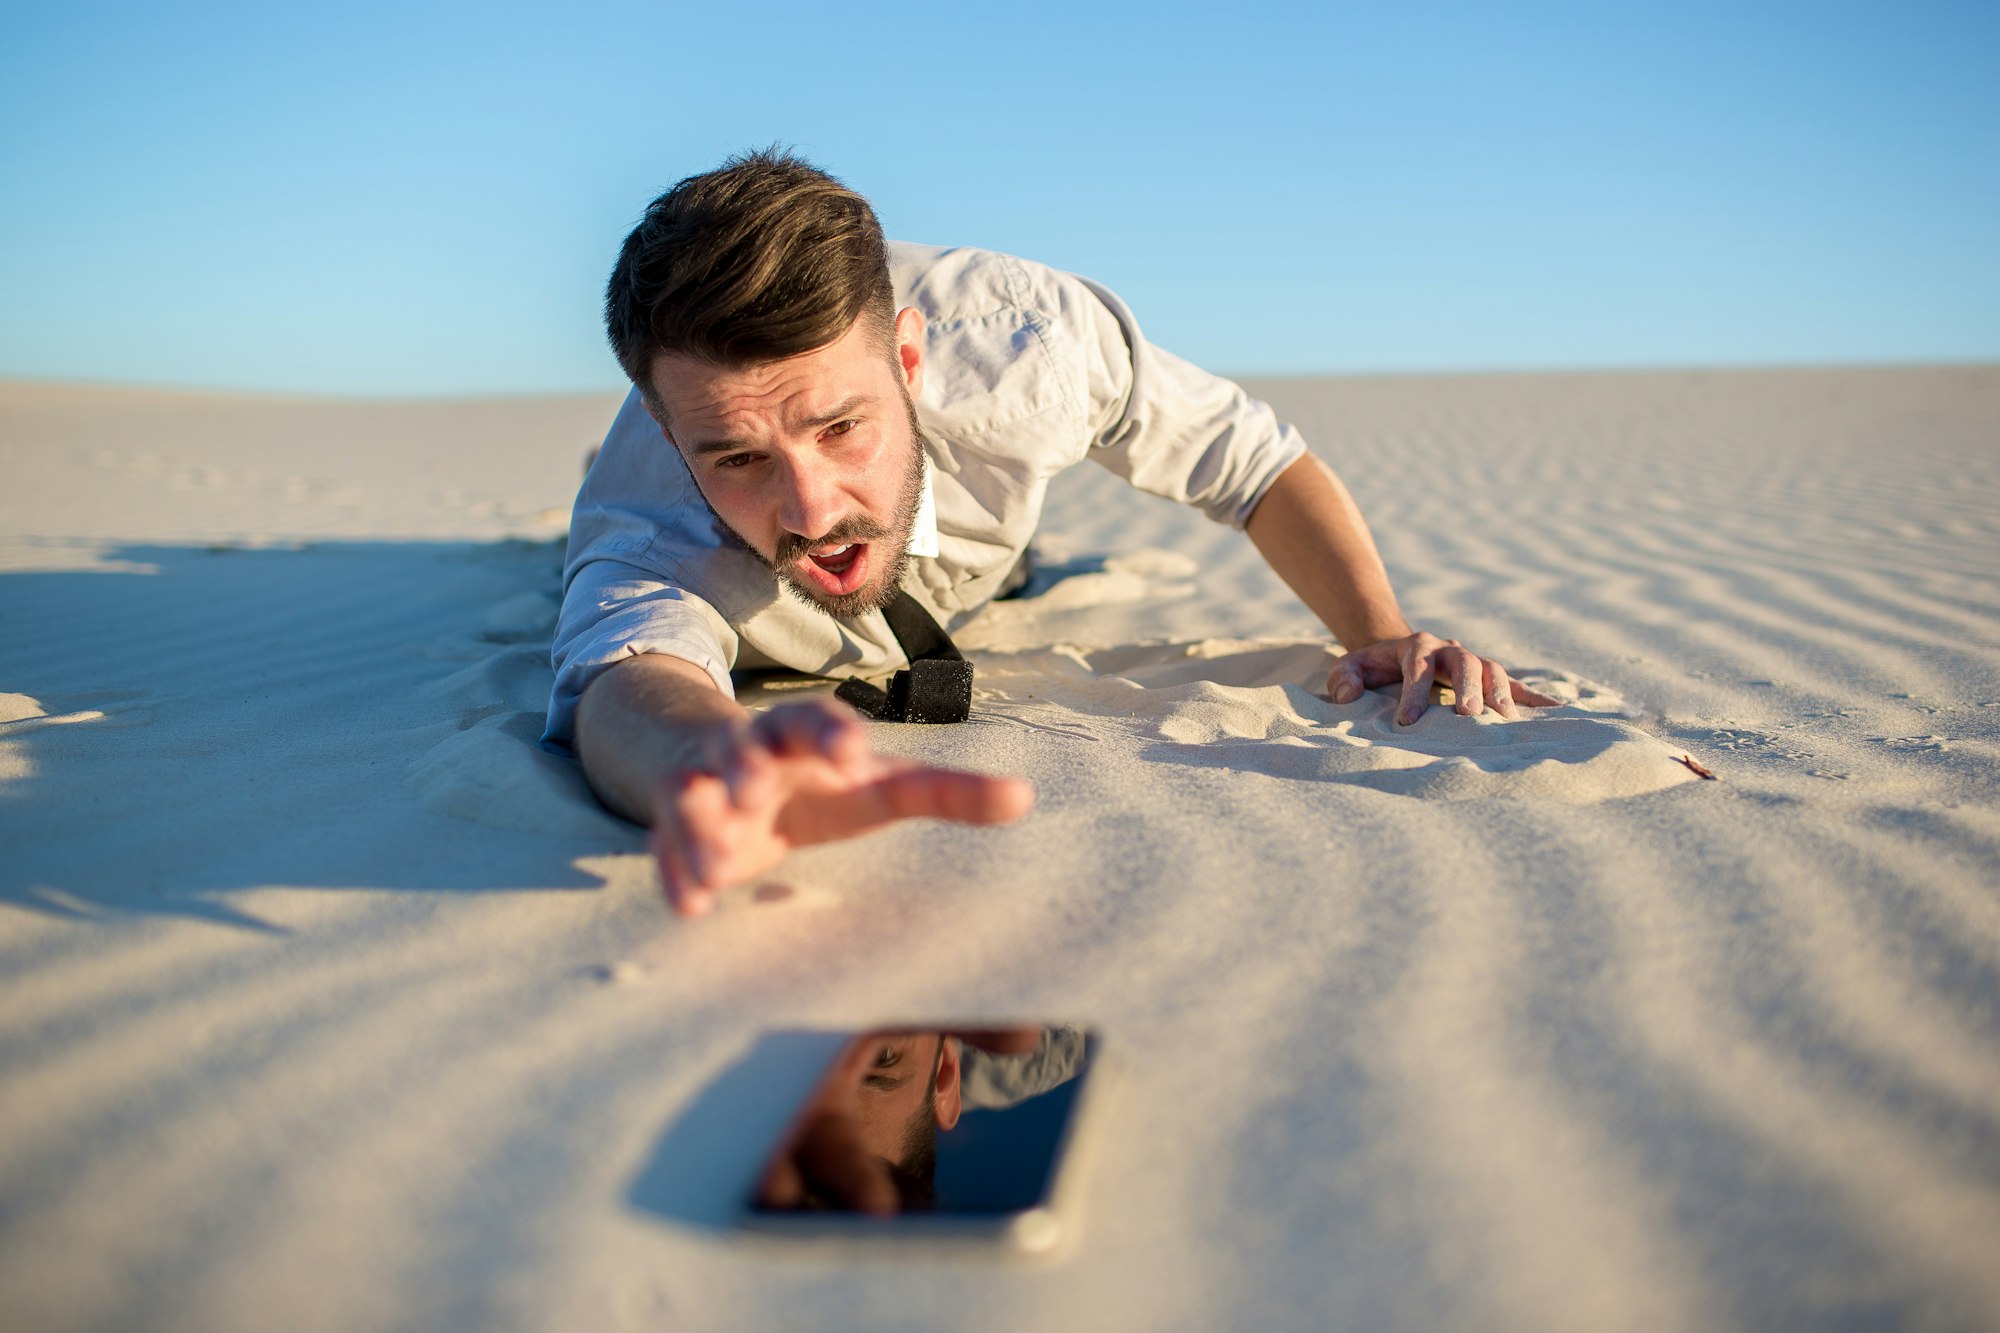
(210, 390)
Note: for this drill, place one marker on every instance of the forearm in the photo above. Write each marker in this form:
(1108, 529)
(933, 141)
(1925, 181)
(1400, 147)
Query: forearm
(1308, 529)
(642, 720)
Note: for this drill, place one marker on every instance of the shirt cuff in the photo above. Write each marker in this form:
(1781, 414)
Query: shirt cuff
(620, 620)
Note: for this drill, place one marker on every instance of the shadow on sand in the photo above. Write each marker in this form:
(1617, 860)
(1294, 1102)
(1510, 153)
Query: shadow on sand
(181, 722)
(701, 1169)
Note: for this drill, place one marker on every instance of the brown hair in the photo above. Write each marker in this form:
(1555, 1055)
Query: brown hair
(765, 257)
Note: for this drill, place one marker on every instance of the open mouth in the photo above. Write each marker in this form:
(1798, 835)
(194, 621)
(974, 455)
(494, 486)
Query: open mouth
(838, 569)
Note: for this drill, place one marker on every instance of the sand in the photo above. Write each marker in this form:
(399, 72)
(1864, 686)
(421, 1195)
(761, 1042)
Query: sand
(327, 1001)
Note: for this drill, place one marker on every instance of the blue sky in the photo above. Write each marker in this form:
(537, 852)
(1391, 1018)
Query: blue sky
(425, 199)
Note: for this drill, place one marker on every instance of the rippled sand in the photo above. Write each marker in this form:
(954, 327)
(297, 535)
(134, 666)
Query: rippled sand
(328, 1001)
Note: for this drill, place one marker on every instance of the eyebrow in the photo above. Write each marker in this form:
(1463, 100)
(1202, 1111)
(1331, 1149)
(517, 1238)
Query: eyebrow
(883, 1083)
(707, 447)
(838, 412)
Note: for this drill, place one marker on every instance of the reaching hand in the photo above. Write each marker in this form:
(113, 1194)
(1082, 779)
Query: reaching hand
(1416, 660)
(798, 774)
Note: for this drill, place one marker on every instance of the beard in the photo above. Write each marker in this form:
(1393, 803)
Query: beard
(888, 545)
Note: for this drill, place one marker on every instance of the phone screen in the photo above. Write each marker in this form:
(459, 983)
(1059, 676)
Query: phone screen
(955, 1129)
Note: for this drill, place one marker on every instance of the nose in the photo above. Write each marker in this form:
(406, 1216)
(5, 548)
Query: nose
(810, 504)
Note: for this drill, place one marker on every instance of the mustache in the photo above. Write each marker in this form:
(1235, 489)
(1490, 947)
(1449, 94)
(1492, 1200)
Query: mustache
(854, 528)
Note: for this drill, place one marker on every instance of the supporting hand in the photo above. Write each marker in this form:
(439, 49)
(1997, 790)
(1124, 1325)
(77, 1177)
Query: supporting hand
(1415, 660)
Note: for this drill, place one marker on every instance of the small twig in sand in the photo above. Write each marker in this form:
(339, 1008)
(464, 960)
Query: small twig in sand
(1698, 769)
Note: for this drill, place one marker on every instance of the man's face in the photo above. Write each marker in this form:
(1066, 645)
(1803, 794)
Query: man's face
(900, 1077)
(868, 1142)
(815, 462)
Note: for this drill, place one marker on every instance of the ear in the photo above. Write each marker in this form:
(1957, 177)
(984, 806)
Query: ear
(949, 1099)
(910, 349)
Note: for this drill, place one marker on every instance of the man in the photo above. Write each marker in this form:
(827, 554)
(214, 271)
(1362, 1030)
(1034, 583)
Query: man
(868, 1142)
(821, 422)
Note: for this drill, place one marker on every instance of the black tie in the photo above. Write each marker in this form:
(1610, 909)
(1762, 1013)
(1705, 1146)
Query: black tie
(938, 685)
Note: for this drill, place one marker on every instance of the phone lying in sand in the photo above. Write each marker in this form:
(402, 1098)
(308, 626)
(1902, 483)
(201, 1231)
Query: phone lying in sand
(938, 1133)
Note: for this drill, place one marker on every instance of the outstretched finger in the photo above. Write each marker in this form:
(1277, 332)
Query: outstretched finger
(1532, 697)
(934, 793)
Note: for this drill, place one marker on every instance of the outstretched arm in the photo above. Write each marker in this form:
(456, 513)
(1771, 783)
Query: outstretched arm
(728, 794)
(1309, 530)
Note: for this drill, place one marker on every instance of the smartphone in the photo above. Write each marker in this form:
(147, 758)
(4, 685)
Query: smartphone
(938, 1132)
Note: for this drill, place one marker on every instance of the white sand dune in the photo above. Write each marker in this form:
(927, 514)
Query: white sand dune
(327, 1000)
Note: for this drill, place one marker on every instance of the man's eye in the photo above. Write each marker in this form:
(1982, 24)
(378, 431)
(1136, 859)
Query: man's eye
(842, 427)
(733, 460)
(886, 1057)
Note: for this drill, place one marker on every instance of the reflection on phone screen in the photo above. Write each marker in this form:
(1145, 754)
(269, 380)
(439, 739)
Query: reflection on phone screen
(960, 1122)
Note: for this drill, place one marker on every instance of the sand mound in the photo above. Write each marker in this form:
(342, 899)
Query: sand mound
(1256, 707)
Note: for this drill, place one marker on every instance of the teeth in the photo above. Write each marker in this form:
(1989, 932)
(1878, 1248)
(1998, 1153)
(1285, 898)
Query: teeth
(838, 550)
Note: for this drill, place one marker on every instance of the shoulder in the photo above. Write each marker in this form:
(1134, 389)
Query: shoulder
(1005, 336)
(960, 283)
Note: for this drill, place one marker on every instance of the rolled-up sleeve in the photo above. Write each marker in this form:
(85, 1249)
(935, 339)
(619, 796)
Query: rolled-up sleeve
(612, 611)
(1166, 425)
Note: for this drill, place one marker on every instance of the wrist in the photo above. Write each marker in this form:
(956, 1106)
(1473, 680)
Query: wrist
(1375, 630)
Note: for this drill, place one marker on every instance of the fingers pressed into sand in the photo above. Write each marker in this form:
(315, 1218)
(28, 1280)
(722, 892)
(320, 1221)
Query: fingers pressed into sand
(1419, 671)
(1466, 673)
(1371, 665)
(1345, 683)
(1499, 689)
